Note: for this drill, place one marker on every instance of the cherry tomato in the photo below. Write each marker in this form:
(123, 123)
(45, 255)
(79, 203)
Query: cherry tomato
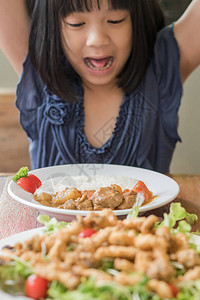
(87, 232)
(174, 290)
(36, 287)
(35, 179)
(142, 188)
(27, 184)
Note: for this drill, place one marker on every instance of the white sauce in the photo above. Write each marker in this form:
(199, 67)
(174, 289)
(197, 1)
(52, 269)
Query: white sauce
(53, 185)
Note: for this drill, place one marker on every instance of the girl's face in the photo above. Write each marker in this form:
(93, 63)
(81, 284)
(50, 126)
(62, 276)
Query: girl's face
(97, 43)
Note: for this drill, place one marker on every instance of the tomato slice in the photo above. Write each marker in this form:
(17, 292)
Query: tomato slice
(36, 287)
(27, 184)
(35, 179)
(140, 187)
(174, 289)
(87, 232)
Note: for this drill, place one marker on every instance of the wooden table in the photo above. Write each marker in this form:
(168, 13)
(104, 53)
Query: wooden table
(15, 217)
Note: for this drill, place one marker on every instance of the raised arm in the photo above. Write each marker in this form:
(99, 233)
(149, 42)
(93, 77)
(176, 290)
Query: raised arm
(187, 32)
(14, 31)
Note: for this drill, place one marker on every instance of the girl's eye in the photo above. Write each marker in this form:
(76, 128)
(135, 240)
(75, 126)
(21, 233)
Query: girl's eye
(76, 24)
(116, 21)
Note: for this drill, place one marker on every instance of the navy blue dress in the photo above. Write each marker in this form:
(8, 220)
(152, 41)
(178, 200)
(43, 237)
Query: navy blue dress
(145, 133)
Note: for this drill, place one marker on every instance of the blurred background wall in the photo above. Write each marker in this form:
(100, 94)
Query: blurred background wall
(186, 156)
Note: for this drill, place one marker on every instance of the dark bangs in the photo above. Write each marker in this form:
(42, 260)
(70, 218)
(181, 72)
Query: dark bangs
(71, 6)
(45, 47)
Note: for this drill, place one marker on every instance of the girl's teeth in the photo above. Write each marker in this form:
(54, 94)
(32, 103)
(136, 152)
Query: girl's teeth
(99, 64)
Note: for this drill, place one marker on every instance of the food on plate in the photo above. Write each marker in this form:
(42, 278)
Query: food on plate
(101, 257)
(94, 196)
(140, 187)
(103, 197)
(29, 182)
(89, 194)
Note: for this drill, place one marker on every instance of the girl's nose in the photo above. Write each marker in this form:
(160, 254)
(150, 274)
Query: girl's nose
(97, 37)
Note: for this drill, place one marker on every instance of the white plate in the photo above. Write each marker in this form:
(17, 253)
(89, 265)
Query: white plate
(11, 241)
(165, 188)
(20, 237)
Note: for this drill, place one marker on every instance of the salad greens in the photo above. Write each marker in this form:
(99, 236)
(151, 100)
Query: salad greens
(104, 291)
(14, 274)
(179, 216)
(51, 224)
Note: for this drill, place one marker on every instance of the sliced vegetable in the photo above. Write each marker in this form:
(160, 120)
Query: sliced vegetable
(87, 232)
(140, 187)
(35, 179)
(36, 287)
(27, 184)
(174, 290)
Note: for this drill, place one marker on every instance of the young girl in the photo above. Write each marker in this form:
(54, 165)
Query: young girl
(102, 80)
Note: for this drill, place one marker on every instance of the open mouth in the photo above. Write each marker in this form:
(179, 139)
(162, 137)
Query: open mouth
(99, 64)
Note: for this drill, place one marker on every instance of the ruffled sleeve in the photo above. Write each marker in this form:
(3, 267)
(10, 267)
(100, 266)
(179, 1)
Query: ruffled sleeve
(29, 98)
(162, 92)
(167, 70)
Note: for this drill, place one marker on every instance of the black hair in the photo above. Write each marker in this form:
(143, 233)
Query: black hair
(30, 6)
(45, 41)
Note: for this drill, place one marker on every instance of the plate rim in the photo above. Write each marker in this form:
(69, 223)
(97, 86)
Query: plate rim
(12, 237)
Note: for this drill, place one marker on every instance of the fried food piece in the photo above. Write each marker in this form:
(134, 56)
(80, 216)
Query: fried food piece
(98, 274)
(160, 269)
(123, 264)
(161, 288)
(134, 223)
(126, 279)
(122, 238)
(142, 260)
(116, 187)
(115, 251)
(69, 204)
(43, 198)
(98, 221)
(83, 203)
(191, 275)
(180, 242)
(187, 257)
(148, 242)
(106, 197)
(148, 225)
(128, 201)
(52, 271)
(67, 194)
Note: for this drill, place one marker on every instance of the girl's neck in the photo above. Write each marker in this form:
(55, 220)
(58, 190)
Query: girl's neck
(103, 93)
(101, 107)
